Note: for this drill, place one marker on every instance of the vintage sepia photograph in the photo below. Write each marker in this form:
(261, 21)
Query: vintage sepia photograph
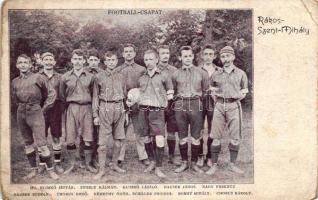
(131, 96)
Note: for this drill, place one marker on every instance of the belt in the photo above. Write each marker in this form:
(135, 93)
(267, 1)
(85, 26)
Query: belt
(112, 101)
(28, 104)
(225, 100)
(74, 102)
(188, 98)
(142, 107)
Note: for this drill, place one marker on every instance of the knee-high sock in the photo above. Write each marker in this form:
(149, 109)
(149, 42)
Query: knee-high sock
(159, 156)
(209, 142)
(194, 152)
(150, 151)
(171, 146)
(88, 152)
(200, 152)
(215, 150)
(47, 160)
(233, 152)
(32, 159)
(184, 151)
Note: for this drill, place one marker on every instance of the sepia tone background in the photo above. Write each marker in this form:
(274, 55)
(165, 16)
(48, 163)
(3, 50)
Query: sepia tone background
(60, 31)
(285, 99)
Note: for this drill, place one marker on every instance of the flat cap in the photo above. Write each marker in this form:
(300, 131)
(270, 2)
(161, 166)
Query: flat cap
(227, 49)
(47, 54)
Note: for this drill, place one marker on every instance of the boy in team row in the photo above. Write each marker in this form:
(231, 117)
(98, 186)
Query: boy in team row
(208, 54)
(132, 72)
(156, 89)
(53, 117)
(34, 97)
(170, 118)
(108, 111)
(96, 97)
(75, 89)
(191, 83)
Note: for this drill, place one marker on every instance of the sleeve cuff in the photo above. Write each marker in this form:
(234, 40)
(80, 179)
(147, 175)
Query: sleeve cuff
(244, 91)
(169, 92)
(95, 115)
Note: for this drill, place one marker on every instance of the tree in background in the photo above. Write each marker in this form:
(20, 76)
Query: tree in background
(37, 31)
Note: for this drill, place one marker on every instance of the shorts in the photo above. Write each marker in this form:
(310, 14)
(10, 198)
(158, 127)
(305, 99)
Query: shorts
(112, 121)
(189, 112)
(231, 115)
(170, 118)
(152, 121)
(208, 107)
(53, 120)
(78, 122)
(31, 124)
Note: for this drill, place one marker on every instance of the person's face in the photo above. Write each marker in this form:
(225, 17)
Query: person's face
(48, 62)
(93, 61)
(187, 57)
(227, 59)
(150, 60)
(111, 62)
(164, 55)
(77, 61)
(23, 64)
(129, 53)
(208, 55)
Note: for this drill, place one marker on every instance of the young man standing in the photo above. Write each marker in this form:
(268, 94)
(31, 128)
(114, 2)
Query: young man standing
(109, 112)
(191, 84)
(207, 56)
(170, 118)
(132, 72)
(53, 117)
(93, 62)
(155, 90)
(229, 86)
(76, 89)
(34, 98)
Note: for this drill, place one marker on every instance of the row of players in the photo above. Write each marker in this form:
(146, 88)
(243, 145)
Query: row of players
(97, 105)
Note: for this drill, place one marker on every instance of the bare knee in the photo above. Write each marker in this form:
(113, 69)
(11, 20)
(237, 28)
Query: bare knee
(183, 141)
(29, 149)
(160, 141)
(44, 150)
(195, 141)
(216, 142)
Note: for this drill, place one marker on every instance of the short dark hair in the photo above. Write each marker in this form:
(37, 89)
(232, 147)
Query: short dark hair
(129, 45)
(112, 51)
(209, 46)
(93, 52)
(78, 52)
(24, 56)
(149, 51)
(187, 48)
(164, 46)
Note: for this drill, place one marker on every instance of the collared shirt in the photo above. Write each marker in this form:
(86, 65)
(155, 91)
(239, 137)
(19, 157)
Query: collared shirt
(230, 84)
(190, 82)
(169, 68)
(109, 85)
(76, 89)
(132, 73)
(33, 89)
(210, 69)
(93, 70)
(53, 81)
(154, 89)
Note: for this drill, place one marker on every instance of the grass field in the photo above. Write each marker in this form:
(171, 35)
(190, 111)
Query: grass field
(135, 175)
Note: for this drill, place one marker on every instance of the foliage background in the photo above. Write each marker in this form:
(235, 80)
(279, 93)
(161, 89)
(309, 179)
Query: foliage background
(60, 31)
